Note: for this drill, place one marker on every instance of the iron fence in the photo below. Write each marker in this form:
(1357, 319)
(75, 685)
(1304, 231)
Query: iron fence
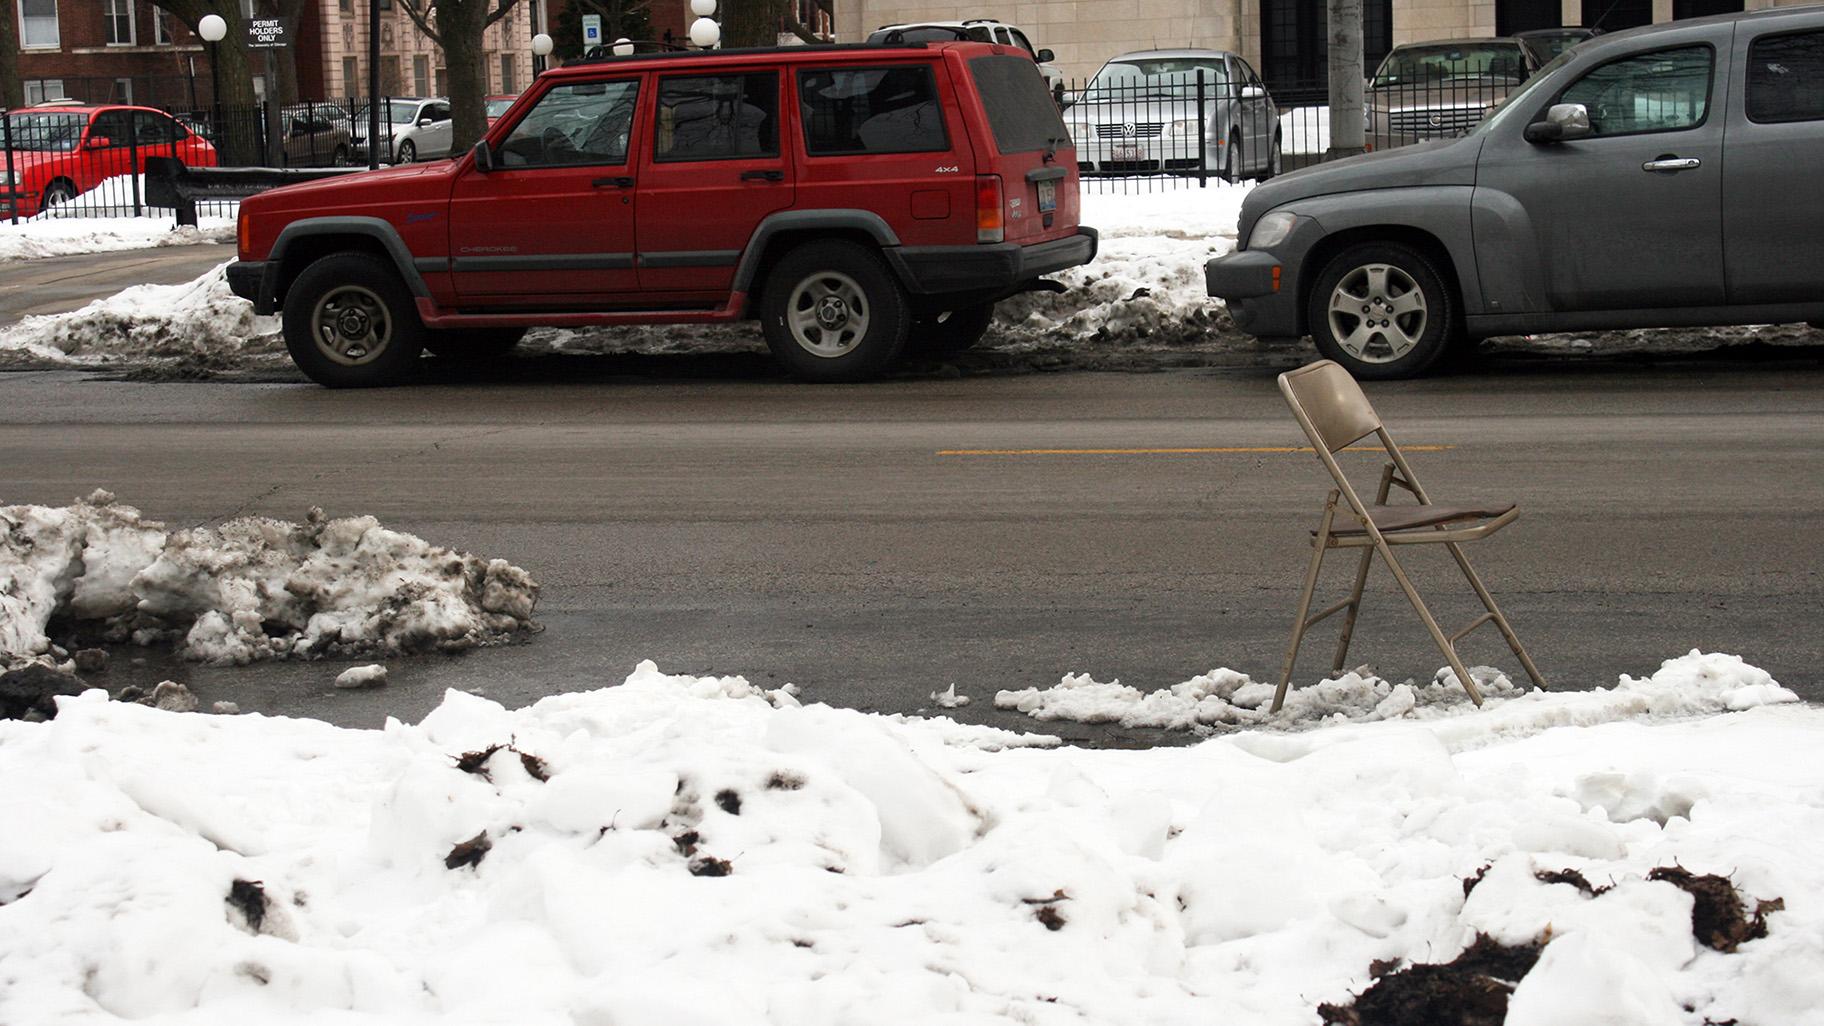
(65, 161)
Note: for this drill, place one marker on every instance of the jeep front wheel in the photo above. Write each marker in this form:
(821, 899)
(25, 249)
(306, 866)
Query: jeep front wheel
(350, 322)
(1381, 310)
(832, 311)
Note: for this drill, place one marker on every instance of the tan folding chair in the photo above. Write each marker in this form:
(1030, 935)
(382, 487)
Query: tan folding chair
(1335, 414)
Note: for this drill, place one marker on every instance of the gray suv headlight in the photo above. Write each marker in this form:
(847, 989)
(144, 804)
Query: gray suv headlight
(1272, 229)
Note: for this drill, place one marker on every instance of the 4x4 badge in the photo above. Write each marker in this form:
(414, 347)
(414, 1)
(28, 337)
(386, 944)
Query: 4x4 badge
(951, 170)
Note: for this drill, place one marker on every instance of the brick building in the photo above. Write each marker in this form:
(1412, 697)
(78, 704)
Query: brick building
(108, 51)
(1284, 39)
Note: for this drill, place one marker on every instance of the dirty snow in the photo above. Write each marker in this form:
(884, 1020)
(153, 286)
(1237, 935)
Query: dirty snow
(50, 235)
(699, 850)
(251, 589)
(198, 323)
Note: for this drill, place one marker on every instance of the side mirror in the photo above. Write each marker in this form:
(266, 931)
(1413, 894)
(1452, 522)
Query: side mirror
(99, 142)
(1563, 122)
(425, 122)
(1046, 56)
(1253, 92)
(484, 157)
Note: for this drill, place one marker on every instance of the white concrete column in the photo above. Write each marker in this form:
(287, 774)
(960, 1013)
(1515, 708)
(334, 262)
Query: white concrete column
(1570, 12)
(1662, 11)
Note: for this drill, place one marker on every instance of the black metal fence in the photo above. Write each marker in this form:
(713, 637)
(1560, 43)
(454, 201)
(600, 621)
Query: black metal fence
(64, 161)
(1138, 134)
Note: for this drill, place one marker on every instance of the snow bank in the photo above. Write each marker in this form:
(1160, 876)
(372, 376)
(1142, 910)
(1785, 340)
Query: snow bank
(51, 235)
(1147, 277)
(1305, 130)
(254, 588)
(699, 850)
(1691, 685)
(199, 323)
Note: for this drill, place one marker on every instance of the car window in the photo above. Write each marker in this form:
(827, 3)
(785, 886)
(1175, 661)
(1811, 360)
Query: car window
(1454, 63)
(1020, 40)
(718, 117)
(112, 125)
(1662, 91)
(1786, 78)
(871, 110)
(436, 111)
(152, 129)
(573, 125)
(1162, 78)
(1020, 109)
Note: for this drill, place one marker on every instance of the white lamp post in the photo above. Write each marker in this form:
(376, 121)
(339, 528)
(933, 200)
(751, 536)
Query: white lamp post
(704, 32)
(541, 48)
(623, 47)
(213, 29)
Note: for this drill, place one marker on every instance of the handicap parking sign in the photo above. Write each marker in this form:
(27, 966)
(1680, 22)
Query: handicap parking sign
(592, 30)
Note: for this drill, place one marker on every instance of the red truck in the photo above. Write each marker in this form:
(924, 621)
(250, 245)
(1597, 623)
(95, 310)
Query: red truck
(855, 200)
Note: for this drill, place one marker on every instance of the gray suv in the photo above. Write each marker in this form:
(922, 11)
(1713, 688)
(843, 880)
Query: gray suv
(1659, 177)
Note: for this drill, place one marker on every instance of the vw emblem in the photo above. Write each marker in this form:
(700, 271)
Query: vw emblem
(1129, 130)
(1437, 120)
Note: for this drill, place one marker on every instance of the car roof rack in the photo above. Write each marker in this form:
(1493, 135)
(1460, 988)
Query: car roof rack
(609, 57)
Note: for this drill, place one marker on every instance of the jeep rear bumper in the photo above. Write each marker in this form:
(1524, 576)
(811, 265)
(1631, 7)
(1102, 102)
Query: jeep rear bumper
(933, 270)
(247, 279)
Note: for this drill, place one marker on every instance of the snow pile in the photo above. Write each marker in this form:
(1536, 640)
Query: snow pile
(112, 197)
(1305, 130)
(1147, 278)
(50, 234)
(1691, 685)
(200, 323)
(698, 850)
(254, 588)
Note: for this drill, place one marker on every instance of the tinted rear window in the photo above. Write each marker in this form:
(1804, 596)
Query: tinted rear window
(1786, 78)
(1020, 108)
(871, 110)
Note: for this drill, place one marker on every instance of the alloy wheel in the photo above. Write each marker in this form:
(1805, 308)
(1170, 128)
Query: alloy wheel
(1377, 313)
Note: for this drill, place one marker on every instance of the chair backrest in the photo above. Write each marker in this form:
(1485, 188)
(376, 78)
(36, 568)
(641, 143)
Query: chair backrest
(1329, 404)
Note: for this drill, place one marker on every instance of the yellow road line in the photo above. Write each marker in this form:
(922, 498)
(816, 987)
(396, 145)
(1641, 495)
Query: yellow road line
(1199, 451)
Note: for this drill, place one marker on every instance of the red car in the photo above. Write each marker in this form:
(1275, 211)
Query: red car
(855, 200)
(498, 105)
(61, 151)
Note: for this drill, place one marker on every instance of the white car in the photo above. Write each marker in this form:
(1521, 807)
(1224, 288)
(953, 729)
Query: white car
(411, 130)
(982, 30)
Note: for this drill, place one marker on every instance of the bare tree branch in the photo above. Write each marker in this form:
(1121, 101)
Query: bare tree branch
(420, 13)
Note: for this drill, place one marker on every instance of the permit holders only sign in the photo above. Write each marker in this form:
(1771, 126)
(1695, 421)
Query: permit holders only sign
(268, 33)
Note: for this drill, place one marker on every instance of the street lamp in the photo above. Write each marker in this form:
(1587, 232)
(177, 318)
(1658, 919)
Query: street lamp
(213, 29)
(541, 48)
(704, 32)
(623, 47)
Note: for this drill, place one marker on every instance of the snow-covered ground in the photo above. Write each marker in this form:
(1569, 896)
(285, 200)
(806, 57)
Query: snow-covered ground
(102, 220)
(197, 323)
(682, 850)
(252, 589)
(1305, 130)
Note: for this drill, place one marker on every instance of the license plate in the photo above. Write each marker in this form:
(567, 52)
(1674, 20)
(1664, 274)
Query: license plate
(1048, 196)
(1129, 153)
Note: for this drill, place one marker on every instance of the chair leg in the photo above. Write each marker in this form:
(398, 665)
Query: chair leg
(1431, 624)
(1501, 624)
(1355, 606)
(1319, 544)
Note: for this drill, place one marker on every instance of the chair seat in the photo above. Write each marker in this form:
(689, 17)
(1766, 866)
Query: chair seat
(1405, 518)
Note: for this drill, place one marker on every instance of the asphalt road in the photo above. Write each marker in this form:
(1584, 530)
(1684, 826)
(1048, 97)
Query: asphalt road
(55, 284)
(837, 537)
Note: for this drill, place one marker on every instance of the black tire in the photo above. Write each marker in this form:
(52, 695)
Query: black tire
(408, 152)
(833, 311)
(950, 331)
(1227, 173)
(1276, 161)
(473, 343)
(57, 193)
(353, 305)
(340, 157)
(1392, 336)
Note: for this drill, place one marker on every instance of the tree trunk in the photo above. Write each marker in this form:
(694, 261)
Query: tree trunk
(750, 22)
(460, 24)
(12, 89)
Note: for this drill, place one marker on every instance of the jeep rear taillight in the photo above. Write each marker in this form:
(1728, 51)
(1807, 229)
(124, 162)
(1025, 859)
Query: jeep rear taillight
(990, 222)
(241, 233)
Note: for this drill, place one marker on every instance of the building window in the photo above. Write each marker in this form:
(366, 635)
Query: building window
(161, 26)
(39, 90)
(351, 77)
(345, 5)
(38, 24)
(123, 90)
(421, 75)
(506, 73)
(117, 15)
(1295, 45)
(389, 76)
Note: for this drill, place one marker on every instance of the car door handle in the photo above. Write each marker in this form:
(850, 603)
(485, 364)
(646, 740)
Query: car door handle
(1671, 163)
(619, 182)
(763, 176)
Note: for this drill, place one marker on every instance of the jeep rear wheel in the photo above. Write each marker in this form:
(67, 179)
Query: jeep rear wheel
(950, 331)
(1381, 310)
(832, 311)
(350, 322)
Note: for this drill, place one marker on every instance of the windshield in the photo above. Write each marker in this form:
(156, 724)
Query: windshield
(1158, 78)
(396, 112)
(1513, 101)
(498, 107)
(47, 132)
(1427, 65)
(1554, 43)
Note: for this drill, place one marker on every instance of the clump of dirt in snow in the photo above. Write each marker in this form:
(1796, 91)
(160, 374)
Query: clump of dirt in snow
(254, 588)
(1719, 918)
(1470, 990)
(469, 852)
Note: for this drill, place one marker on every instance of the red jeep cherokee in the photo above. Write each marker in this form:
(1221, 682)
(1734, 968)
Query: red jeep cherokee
(853, 199)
